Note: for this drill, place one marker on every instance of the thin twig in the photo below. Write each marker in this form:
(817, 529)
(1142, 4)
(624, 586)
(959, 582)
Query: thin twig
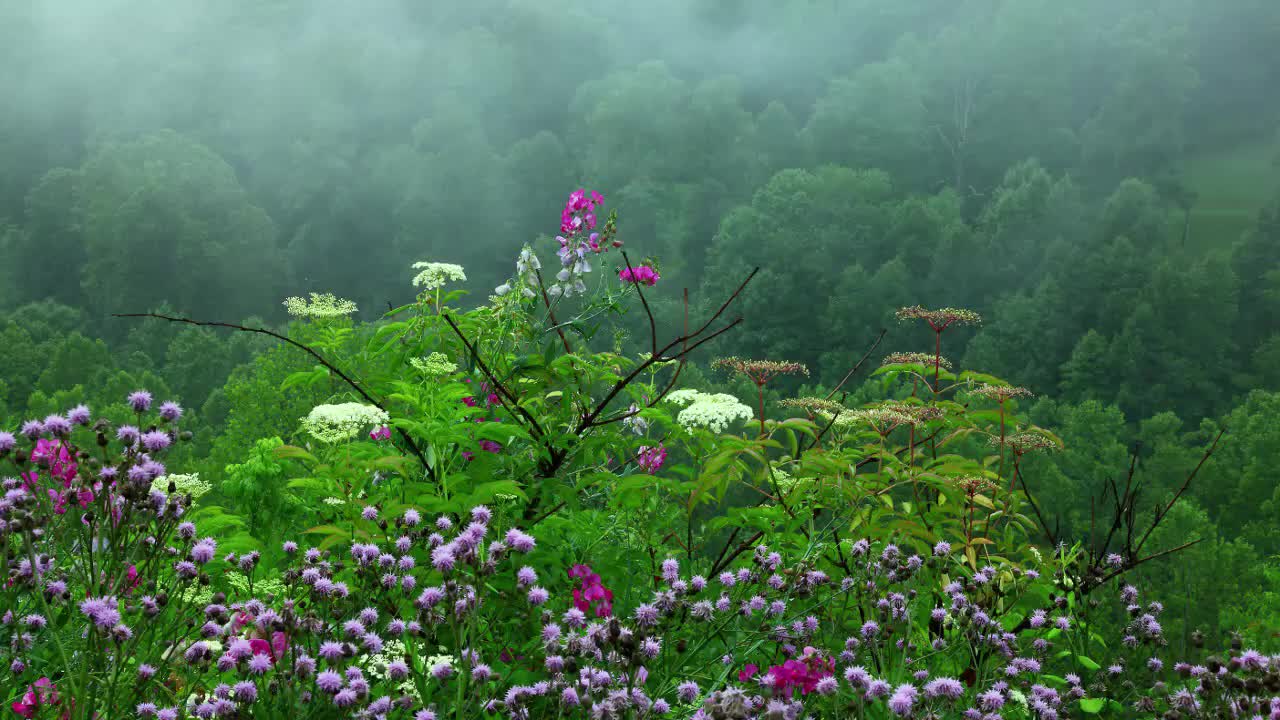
(653, 327)
(413, 446)
(1160, 514)
(509, 397)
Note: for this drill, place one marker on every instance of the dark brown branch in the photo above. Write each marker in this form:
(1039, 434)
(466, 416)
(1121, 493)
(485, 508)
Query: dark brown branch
(1017, 475)
(510, 399)
(653, 327)
(1129, 566)
(1160, 514)
(546, 300)
(854, 369)
(413, 446)
(588, 420)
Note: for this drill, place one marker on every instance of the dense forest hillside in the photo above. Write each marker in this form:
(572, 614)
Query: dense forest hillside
(1099, 180)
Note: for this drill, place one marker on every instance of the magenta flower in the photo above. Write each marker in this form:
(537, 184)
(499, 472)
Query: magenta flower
(641, 274)
(382, 433)
(650, 459)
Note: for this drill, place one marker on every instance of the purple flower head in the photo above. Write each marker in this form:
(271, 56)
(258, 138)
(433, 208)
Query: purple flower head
(944, 687)
(140, 401)
(128, 434)
(411, 517)
(7, 442)
(329, 681)
(156, 440)
(520, 541)
(79, 415)
(480, 514)
(170, 411)
(57, 425)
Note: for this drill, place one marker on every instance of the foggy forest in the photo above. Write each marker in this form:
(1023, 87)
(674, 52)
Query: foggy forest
(691, 359)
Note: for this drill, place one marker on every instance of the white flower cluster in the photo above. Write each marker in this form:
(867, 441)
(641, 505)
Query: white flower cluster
(526, 265)
(334, 501)
(713, 411)
(437, 660)
(435, 275)
(322, 305)
(335, 423)
(434, 365)
(184, 484)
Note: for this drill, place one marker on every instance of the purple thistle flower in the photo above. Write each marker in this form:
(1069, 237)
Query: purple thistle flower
(32, 429)
(170, 410)
(520, 541)
(57, 425)
(944, 687)
(480, 514)
(345, 698)
(411, 517)
(156, 440)
(79, 415)
(128, 434)
(259, 664)
(369, 512)
(7, 442)
(329, 681)
(140, 401)
(169, 713)
(538, 596)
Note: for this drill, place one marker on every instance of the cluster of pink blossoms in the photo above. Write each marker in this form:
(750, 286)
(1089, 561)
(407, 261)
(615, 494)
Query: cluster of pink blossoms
(592, 594)
(41, 694)
(578, 238)
(804, 673)
(640, 274)
(650, 459)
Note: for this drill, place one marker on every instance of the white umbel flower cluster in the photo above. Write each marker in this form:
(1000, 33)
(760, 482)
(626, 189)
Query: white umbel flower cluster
(335, 423)
(322, 305)
(434, 365)
(713, 411)
(436, 275)
(184, 484)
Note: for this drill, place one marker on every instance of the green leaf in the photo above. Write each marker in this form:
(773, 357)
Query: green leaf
(1092, 705)
(1087, 662)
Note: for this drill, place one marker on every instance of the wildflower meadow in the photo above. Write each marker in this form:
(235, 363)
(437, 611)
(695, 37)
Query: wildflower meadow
(491, 510)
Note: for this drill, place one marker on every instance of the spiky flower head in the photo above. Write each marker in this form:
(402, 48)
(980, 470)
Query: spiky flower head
(436, 275)
(335, 423)
(760, 371)
(916, 358)
(434, 365)
(322, 305)
(1000, 393)
(814, 405)
(941, 318)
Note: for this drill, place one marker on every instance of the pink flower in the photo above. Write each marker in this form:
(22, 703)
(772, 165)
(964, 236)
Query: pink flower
(490, 446)
(61, 467)
(748, 672)
(469, 401)
(591, 593)
(382, 433)
(275, 649)
(641, 274)
(650, 459)
(43, 692)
